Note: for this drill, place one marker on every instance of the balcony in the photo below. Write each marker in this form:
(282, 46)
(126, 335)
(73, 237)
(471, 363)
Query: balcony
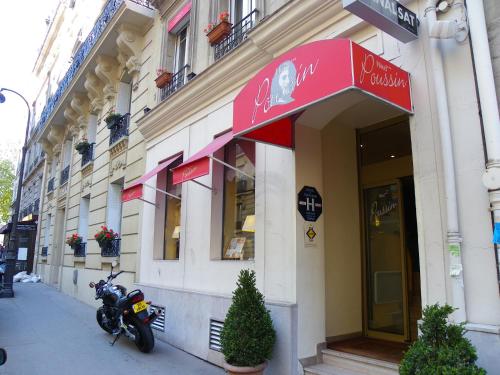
(113, 250)
(45, 251)
(64, 175)
(100, 41)
(50, 186)
(238, 34)
(120, 129)
(178, 80)
(79, 250)
(88, 155)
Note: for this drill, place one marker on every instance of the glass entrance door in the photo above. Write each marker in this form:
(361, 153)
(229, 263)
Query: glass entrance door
(386, 312)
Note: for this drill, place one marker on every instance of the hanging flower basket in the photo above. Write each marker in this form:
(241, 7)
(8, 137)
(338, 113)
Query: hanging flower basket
(112, 120)
(82, 146)
(105, 237)
(163, 79)
(74, 240)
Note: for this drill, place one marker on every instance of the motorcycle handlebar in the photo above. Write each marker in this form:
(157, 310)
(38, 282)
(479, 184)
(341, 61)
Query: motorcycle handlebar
(115, 275)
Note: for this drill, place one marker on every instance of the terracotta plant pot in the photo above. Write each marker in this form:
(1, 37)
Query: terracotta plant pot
(163, 79)
(235, 370)
(219, 32)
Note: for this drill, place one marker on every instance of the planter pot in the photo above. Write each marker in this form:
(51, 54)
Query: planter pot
(82, 147)
(163, 79)
(113, 121)
(219, 32)
(235, 370)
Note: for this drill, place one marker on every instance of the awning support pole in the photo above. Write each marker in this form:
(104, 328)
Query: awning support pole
(231, 167)
(163, 191)
(205, 186)
(145, 201)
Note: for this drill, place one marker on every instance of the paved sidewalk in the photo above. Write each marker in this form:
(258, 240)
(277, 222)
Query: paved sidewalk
(46, 332)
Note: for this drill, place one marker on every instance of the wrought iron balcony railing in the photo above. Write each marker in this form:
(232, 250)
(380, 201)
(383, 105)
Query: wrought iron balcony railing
(64, 175)
(113, 250)
(88, 155)
(178, 80)
(120, 130)
(80, 250)
(102, 22)
(45, 251)
(238, 34)
(51, 185)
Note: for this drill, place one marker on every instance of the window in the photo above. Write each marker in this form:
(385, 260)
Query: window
(240, 9)
(46, 236)
(172, 221)
(239, 201)
(83, 224)
(181, 49)
(114, 215)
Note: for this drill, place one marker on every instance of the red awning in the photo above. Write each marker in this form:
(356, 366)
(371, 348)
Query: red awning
(310, 74)
(135, 190)
(199, 164)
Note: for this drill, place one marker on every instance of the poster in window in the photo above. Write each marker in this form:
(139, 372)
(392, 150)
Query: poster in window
(234, 249)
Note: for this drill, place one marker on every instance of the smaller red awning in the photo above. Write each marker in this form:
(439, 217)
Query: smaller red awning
(199, 164)
(135, 190)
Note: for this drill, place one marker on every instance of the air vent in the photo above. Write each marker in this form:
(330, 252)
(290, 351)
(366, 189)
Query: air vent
(215, 330)
(159, 323)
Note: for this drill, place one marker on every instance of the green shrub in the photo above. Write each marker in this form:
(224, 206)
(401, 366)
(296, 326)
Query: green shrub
(441, 349)
(248, 335)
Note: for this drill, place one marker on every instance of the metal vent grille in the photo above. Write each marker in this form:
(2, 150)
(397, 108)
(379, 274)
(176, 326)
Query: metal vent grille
(215, 330)
(159, 323)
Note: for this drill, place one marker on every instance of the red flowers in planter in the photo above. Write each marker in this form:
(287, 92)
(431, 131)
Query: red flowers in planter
(216, 32)
(105, 236)
(74, 240)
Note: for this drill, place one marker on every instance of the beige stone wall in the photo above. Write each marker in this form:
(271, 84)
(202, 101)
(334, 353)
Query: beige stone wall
(492, 13)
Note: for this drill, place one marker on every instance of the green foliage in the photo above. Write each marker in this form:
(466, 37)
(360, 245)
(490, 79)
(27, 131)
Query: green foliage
(7, 177)
(442, 348)
(248, 335)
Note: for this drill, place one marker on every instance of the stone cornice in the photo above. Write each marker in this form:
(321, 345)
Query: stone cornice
(290, 26)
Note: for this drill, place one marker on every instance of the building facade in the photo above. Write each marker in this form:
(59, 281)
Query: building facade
(353, 207)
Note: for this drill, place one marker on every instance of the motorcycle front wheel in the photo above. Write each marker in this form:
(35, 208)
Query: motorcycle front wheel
(99, 316)
(144, 339)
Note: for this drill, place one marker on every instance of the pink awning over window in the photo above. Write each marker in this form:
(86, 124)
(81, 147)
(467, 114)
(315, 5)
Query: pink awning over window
(199, 164)
(309, 74)
(135, 191)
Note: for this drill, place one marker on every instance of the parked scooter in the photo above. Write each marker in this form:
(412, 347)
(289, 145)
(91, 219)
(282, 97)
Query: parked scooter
(125, 314)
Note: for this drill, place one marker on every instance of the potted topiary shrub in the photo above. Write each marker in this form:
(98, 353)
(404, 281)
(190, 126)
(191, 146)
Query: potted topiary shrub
(82, 146)
(248, 335)
(441, 349)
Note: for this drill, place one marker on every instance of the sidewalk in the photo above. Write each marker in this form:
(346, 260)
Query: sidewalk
(46, 332)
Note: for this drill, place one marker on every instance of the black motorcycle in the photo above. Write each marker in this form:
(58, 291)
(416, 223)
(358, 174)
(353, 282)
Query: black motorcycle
(125, 313)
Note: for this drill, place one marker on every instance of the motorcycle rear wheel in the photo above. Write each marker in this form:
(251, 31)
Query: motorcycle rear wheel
(99, 317)
(144, 339)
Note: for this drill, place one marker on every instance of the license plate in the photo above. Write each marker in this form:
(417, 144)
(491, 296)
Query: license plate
(139, 306)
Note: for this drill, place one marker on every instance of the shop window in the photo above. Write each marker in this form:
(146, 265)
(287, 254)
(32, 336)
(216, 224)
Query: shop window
(238, 219)
(172, 221)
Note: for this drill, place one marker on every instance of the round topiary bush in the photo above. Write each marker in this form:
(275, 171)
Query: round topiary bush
(441, 349)
(248, 335)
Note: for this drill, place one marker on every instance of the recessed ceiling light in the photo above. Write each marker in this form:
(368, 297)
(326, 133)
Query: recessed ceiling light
(361, 145)
(392, 156)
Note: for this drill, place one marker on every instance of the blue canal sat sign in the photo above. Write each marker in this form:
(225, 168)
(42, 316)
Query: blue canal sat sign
(388, 15)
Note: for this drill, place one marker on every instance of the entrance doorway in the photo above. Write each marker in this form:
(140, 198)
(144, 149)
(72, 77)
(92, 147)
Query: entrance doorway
(391, 272)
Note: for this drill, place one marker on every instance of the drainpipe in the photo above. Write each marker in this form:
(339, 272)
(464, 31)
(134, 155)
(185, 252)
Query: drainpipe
(454, 238)
(488, 102)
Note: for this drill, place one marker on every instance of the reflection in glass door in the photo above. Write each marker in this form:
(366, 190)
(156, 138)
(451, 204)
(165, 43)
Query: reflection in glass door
(386, 309)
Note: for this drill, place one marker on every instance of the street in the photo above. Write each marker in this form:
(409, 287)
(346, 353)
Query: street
(46, 332)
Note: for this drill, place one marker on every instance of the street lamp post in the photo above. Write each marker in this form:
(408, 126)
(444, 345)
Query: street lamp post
(11, 255)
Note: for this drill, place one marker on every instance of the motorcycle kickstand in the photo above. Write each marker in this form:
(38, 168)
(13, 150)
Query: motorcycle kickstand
(116, 338)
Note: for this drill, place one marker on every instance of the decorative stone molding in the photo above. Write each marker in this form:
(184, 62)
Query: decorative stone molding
(118, 165)
(118, 147)
(71, 116)
(129, 44)
(107, 72)
(47, 148)
(87, 169)
(81, 105)
(56, 150)
(74, 131)
(94, 87)
(55, 135)
(86, 183)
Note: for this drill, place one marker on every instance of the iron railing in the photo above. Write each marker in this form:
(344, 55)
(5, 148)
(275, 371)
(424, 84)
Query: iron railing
(45, 251)
(64, 175)
(50, 186)
(102, 22)
(238, 34)
(112, 250)
(120, 130)
(79, 250)
(88, 154)
(178, 80)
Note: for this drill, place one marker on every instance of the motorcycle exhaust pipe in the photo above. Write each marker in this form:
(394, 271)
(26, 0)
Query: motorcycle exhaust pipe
(153, 316)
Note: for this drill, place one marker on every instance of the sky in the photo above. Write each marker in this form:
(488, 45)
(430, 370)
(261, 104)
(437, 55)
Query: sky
(22, 31)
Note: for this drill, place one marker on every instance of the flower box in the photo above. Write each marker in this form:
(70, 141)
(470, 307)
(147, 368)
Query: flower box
(163, 79)
(113, 120)
(82, 147)
(219, 32)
